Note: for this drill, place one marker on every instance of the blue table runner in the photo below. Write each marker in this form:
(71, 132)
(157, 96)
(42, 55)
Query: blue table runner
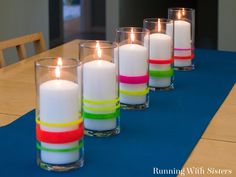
(162, 136)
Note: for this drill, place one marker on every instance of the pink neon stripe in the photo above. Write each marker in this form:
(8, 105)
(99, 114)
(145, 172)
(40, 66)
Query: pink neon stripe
(183, 48)
(134, 79)
(160, 61)
(184, 57)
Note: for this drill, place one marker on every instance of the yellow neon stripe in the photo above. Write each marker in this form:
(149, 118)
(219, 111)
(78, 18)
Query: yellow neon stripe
(111, 108)
(135, 93)
(101, 102)
(76, 122)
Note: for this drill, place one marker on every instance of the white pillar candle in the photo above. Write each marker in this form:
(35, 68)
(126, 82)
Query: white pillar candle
(133, 62)
(100, 84)
(160, 48)
(182, 40)
(59, 103)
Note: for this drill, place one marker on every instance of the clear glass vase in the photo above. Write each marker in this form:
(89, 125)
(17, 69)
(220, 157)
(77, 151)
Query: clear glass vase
(184, 37)
(59, 124)
(161, 72)
(133, 64)
(101, 105)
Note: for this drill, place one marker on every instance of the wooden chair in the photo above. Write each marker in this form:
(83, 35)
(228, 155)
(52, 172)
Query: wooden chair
(19, 43)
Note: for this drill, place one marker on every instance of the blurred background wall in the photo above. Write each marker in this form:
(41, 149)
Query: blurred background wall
(227, 25)
(215, 19)
(65, 20)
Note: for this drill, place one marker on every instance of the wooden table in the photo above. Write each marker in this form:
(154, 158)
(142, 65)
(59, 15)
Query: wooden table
(216, 148)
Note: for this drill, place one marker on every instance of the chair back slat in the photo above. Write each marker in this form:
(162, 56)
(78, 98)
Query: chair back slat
(21, 51)
(2, 61)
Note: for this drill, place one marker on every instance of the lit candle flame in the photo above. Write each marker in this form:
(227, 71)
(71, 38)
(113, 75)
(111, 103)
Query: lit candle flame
(58, 70)
(159, 26)
(59, 61)
(179, 15)
(99, 51)
(132, 35)
(183, 12)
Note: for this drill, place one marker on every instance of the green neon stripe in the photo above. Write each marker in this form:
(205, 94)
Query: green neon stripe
(167, 73)
(38, 146)
(111, 108)
(135, 93)
(88, 115)
(101, 102)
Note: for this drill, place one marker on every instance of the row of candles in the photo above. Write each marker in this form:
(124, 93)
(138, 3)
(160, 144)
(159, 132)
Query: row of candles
(106, 77)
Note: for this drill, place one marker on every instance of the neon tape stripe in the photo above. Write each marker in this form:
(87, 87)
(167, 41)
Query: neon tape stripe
(161, 61)
(183, 49)
(166, 73)
(184, 57)
(134, 79)
(59, 137)
(76, 122)
(135, 93)
(88, 115)
(111, 108)
(101, 102)
(75, 148)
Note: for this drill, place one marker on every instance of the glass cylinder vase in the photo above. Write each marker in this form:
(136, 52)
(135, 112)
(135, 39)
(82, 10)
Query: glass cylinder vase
(101, 106)
(133, 64)
(161, 72)
(59, 125)
(184, 34)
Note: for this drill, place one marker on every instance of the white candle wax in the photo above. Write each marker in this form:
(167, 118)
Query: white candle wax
(182, 40)
(59, 104)
(160, 48)
(133, 62)
(100, 84)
